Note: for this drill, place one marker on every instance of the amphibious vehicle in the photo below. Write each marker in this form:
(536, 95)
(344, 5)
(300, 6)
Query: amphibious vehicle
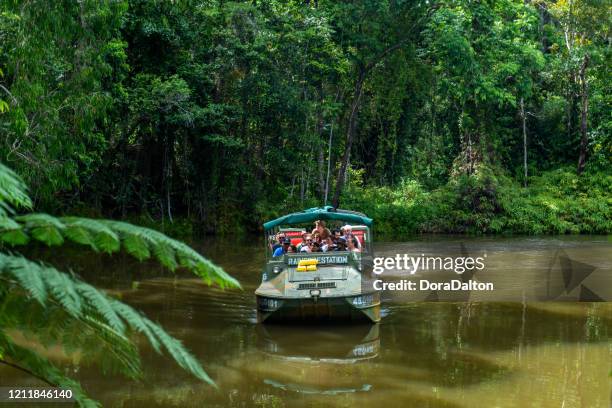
(315, 286)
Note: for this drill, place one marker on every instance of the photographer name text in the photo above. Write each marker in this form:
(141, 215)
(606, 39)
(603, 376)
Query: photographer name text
(424, 284)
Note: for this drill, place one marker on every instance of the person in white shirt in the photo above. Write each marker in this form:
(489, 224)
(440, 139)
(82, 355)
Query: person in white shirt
(347, 233)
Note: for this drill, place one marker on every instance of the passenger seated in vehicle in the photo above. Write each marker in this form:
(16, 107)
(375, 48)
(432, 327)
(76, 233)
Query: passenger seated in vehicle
(280, 237)
(316, 247)
(341, 244)
(336, 233)
(280, 251)
(351, 245)
(347, 233)
(306, 247)
(321, 230)
(306, 237)
(328, 244)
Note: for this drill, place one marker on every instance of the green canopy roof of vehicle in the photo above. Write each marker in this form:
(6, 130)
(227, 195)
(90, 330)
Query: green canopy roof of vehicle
(319, 213)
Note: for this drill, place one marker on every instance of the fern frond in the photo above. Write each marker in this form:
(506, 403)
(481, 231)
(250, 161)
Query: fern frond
(187, 256)
(7, 223)
(107, 316)
(176, 350)
(101, 304)
(14, 237)
(62, 288)
(21, 270)
(33, 220)
(12, 192)
(43, 228)
(166, 256)
(137, 321)
(136, 246)
(123, 351)
(50, 325)
(99, 236)
(109, 236)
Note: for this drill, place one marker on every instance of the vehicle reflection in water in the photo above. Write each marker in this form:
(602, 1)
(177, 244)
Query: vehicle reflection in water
(319, 354)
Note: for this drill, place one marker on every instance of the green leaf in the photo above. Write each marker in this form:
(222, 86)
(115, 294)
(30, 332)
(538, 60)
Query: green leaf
(104, 239)
(165, 255)
(12, 191)
(136, 246)
(48, 235)
(15, 237)
(109, 236)
(176, 350)
(80, 235)
(100, 303)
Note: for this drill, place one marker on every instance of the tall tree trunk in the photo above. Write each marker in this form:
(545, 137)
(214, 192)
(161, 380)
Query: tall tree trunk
(302, 186)
(432, 125)
(320, 150)
(570, 105)
(524, 120)
(329, 151)
(350, 134)
(350, 131)
(321, 170)
(470, 156)
(584, 111)
(167, 173)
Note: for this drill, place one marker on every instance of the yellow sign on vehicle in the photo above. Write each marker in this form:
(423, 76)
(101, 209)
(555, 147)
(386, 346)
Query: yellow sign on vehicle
(307, 265)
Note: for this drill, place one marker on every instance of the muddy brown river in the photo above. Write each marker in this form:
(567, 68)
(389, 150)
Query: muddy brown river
(482, 352)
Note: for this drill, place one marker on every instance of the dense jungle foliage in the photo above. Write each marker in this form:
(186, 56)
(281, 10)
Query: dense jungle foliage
(449, 116)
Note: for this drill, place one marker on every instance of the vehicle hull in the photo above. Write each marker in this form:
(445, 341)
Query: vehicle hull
(336, 309)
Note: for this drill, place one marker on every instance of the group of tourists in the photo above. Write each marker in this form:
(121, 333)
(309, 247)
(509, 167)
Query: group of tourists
(321, 239)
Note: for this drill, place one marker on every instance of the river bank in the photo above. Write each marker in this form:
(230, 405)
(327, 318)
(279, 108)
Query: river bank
(557, 202)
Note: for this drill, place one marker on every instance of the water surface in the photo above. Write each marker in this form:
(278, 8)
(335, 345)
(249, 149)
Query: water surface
(422, 354)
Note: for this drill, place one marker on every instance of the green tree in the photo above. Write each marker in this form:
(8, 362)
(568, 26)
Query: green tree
(485, 58)
(56, 59)
(229, 113)
(582, 44)
(383, 29)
